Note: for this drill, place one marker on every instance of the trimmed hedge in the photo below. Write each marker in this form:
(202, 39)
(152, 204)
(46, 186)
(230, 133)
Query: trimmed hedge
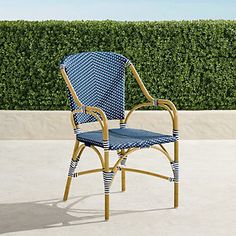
(193, 63)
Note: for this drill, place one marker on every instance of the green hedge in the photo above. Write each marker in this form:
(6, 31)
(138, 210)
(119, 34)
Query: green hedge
(193, 63)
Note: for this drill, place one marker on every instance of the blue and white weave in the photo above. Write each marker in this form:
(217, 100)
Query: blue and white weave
(125, 138)
(98, 79)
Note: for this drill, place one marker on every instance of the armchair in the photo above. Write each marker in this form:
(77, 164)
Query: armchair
(95, 83)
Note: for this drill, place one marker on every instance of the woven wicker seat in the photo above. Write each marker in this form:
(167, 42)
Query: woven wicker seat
(125, 138)
(96, 91)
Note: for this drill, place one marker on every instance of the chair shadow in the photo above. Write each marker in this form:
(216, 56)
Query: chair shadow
(44, 214)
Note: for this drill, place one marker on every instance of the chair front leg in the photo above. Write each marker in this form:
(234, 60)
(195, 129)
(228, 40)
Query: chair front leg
(73, 165)
(176, 174)
(107, 177)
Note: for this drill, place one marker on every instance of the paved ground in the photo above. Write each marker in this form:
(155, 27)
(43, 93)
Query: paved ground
(33, 174)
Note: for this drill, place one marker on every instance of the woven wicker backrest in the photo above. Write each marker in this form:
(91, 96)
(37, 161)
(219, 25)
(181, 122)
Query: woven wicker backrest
(98, 79)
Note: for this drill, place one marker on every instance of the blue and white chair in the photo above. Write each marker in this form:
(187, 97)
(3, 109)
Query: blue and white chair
(96, 89)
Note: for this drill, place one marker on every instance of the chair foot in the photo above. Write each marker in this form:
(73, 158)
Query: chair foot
(67, 189)
(176, 195)
(107, 207)
(123, 184)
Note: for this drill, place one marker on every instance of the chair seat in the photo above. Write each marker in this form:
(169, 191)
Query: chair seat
(123, 138)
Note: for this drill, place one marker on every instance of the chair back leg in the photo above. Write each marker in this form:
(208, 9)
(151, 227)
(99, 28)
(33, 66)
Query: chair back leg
(123, 174)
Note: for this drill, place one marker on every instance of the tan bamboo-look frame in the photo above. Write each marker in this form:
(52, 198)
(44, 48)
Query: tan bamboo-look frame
(102, 119)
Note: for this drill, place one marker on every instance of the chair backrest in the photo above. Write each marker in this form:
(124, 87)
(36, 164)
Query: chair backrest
(98, 79)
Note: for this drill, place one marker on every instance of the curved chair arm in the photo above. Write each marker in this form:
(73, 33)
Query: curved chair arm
(98, 113)
(94, 111)
(164, 103)
(140, 83)
(170, 106)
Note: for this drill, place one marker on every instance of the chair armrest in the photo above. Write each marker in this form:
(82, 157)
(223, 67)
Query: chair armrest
(168, 105)
(99, 114)
(164, 103)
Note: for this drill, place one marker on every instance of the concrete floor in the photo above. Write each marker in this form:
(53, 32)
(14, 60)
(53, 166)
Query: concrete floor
(33, 175)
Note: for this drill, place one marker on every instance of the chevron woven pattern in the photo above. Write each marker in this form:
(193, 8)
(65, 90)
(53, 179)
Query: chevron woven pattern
(98, 80)
(125, 138)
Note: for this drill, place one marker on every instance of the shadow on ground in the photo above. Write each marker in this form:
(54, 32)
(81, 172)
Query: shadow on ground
(43, 214)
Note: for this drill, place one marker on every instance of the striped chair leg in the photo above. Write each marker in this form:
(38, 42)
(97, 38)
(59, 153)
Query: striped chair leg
(123, 174)
(107, 178)
(176, 174)
(73, 165)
